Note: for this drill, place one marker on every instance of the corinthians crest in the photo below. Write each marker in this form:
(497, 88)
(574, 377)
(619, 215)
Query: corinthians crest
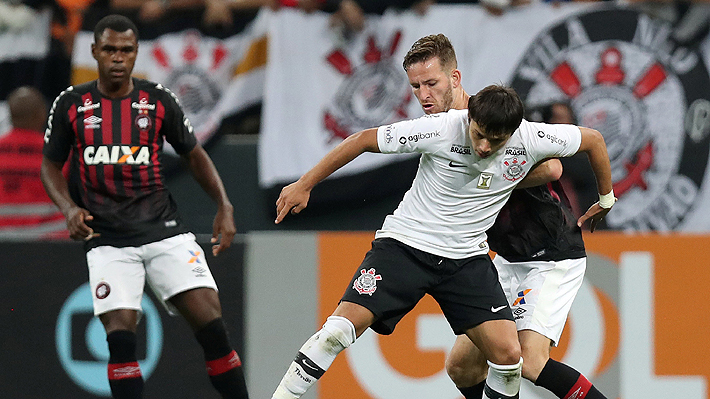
(623, 76)
(373, 93)
(366, 283)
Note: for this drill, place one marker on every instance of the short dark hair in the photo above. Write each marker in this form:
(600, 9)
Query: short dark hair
(115, 22)
(497, 109)
(429, 47)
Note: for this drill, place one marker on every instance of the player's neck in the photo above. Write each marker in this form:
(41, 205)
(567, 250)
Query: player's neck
(461, 99)
(115, 90)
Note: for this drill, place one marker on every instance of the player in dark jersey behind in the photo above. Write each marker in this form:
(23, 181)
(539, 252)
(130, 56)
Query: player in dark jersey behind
(116, 201)
(540, 253)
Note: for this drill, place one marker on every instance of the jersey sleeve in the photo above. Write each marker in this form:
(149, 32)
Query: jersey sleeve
(552, 140)
(59, 135)
(177, 129)
(423, 135)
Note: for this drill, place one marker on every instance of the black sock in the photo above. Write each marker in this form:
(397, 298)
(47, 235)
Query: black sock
(474, 392)
(223, 363)
(124, 374)
(564, 381)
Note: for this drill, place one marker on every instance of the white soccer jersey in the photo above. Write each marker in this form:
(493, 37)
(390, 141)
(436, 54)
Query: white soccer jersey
(456, 195)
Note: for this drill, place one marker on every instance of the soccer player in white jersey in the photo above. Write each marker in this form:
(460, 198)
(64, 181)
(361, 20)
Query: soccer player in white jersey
(435, 242)
(537, 243)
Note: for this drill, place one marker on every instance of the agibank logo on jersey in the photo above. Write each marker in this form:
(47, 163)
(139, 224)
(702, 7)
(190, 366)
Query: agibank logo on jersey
(648, 96)
(116, 155)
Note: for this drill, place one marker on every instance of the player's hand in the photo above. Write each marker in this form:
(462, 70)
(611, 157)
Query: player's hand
(223, 229)
(294, 198)
(76, 224)
(595, 214)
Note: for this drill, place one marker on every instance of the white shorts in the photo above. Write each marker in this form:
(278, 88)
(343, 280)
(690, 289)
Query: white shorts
(171, 266)
(541, 293)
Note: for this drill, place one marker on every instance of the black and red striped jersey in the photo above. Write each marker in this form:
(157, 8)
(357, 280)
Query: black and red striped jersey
(116, 145)
(537, 224)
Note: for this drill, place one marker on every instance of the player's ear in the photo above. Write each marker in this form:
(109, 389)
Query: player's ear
(93, 51)
(456, 77)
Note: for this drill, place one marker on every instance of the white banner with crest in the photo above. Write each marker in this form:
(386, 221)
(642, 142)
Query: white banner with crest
(619, 69)
(213, 78)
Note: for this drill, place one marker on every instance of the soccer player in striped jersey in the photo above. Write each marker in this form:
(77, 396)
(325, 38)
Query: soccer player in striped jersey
(116, 201)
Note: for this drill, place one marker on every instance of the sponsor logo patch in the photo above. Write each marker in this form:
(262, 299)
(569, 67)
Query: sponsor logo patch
(195, 256)
(520, 300)
(460, 149)
(88, 105)
(515, 151)
(116, 155)
(92, 122)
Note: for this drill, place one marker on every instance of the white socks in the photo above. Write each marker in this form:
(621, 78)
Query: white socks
(315, 356)
(503, 381)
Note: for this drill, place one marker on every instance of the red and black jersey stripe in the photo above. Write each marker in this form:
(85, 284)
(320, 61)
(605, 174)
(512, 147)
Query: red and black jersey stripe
(116, 147)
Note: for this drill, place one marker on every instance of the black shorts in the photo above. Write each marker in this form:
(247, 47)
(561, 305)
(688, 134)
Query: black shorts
(393, 277)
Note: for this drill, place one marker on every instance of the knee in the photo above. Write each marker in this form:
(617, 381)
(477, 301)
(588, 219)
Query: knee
(463, 373)
(507, 353)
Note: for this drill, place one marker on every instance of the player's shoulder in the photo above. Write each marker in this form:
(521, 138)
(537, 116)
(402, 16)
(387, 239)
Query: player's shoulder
(155, 88)
(75, 91)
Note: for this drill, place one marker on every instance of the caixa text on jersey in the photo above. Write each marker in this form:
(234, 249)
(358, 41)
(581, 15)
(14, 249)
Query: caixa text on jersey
(116, 155)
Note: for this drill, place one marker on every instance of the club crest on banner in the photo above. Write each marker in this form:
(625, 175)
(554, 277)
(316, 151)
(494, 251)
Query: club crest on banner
(191, 72)
(648, 96)
(371, 94)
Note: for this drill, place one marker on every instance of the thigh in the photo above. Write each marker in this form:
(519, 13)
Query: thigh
(116, 277)
(174, 265)
(497, 340)
(543, 298)
(198, 306)
(389, 283)
(472, 294)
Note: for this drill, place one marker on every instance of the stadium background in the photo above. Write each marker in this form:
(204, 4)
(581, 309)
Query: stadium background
(637, 327)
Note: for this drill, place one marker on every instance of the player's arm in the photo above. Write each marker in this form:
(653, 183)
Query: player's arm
(206, 174)
(542, 173)
(595, 147)
(58, 191)
(294, 197)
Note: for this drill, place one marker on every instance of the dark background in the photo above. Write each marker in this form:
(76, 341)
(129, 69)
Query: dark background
(38, 277)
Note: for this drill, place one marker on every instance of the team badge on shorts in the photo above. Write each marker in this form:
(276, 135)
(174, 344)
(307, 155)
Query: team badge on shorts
(102, 290)
(366, 283)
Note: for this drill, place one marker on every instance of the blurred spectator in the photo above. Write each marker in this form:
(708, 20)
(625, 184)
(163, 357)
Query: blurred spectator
(14, 15)
(25, 208)
(577, 177)
(215, 13)
(68, 20)
(349, 15)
